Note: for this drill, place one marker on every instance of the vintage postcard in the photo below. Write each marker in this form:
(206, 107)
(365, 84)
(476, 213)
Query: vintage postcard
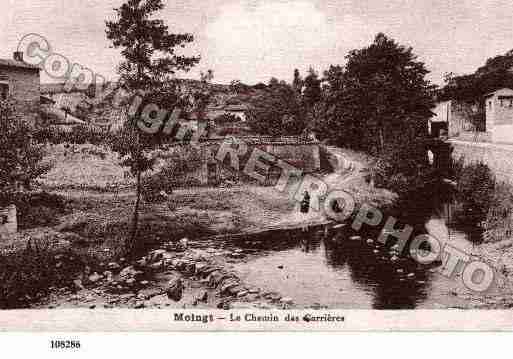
(256, 165)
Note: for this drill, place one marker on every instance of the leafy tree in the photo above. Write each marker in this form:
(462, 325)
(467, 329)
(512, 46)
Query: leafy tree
(20, 158)
(238, 87)
(381, 96)
(298, 82)
(312, 89)
(276, 111)
(496, 73)
(150, 60)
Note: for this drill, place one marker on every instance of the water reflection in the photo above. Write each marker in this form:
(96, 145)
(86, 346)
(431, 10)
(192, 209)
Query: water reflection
(338, 272)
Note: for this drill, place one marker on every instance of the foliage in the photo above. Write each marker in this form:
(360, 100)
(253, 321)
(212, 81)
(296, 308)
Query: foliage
(499, 219)
(381, 94)
(238, 87)
(150, 60)
(31, 274)
(35, 209)
(276, 111)
(20, 158)
(495, 74)
(298, 83)
(476, 186)
(79, 135)
(179, 170)
(311, 93)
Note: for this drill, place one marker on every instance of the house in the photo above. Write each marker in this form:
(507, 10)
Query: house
(499, 115)
(20, 81)
(458, 119)
(237, 111)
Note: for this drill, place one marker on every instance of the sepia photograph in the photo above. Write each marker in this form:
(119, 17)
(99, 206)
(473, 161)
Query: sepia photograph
(256, 165)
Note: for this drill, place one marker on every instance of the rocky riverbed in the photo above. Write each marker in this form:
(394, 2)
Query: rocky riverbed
(176, 275)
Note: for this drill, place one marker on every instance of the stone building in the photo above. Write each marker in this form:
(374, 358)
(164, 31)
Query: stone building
(499, 115)
(21, 82)
(458, 119)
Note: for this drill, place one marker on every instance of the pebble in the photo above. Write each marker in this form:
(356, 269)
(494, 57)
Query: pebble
(175, 289)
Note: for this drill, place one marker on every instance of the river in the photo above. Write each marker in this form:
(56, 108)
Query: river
(335, 272)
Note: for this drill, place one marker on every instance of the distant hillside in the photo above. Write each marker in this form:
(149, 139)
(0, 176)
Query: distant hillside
(102, 110)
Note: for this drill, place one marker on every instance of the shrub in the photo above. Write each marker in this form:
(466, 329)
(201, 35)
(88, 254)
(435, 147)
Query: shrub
(475, 192)
(180, 170)
(35, 209)
(20, 158)
(498, 224)
(77, 135)
(30, 275)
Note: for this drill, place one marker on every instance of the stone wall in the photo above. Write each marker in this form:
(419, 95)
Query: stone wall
(304, 156)
(24, 89)
(499, 157)
(206, 169)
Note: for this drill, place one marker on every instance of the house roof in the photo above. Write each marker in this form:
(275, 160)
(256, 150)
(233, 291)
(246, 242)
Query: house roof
(19, 64)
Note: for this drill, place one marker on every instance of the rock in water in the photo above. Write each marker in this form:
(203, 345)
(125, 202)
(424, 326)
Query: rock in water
(175, 290)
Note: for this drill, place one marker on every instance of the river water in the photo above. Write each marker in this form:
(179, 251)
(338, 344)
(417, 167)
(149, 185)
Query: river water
(336, 272)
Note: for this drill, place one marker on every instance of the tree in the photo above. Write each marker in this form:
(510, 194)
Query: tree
(312, 89)
(149, 63)
(380, 97)
(276, 111)
(20, 158)
(496, 73)
(298, 83)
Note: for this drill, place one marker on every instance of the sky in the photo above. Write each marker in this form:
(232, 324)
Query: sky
(254, 40)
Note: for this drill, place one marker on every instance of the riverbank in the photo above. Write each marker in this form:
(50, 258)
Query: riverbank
(97, 222)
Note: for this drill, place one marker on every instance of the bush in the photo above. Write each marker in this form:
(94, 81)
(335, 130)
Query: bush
(77, 135)
(35, 209)
(475, 192)
(30, 275)
(20, 158)
(498, 224)
(180, 170)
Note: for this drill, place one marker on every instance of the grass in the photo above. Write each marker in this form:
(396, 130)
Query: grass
(99, 204)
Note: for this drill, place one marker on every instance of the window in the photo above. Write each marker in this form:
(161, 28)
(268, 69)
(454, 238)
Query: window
(506, 101)
(4, 91)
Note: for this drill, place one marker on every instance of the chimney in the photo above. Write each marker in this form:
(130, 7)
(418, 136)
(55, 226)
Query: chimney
(18, 56)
